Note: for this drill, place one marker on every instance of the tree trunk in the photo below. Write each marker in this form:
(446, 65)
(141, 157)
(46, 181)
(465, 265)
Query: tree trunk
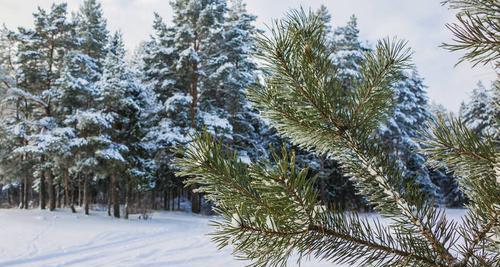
(21, 195)
(27, 191)
(51, 191)
(179, 199)
(86, 195)
(195, 202)
(114, 197)
(127, 197)
(80, 194)
(172, 194)
(59, 195)
(193, 90)
(109, 197)
(166, 200)
(9, 197)
(41, 194)
(66, 189)
(153, 198)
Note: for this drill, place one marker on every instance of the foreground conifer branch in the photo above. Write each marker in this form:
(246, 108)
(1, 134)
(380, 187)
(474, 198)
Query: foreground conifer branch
(270, 209)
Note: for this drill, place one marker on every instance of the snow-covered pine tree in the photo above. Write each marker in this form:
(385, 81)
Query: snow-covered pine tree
(16, 169)
(169, 111)
(92, 31)
(452, 196)
(240, 73)
(123, 99)
(185, 65)
(78, 94)
(348, 51)
(271, 211)
(400, 134)
(480, 113)
(40, 55)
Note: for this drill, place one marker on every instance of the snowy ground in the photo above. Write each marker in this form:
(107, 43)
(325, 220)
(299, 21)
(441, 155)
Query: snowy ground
(41, 238)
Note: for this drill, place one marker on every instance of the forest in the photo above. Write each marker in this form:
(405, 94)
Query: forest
(210, 106)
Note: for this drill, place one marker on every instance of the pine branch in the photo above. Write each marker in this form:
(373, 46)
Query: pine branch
(379, 71)
(284, 211)
(477, 30)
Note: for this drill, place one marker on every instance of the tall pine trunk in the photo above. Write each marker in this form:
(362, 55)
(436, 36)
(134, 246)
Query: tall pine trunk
(127, 197)
(27, 190)
(195, 202)
(21, 195)
(86, 195)
(51, 191)
(179, 199)
(114, 196)
(41, 193)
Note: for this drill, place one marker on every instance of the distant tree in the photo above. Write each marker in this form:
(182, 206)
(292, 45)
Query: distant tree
(480, 113)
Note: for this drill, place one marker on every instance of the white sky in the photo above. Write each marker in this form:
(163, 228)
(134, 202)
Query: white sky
(421, 22)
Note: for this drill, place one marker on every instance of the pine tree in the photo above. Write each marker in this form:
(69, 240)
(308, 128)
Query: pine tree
(348, 52)
(480, 113)
(41, 52)
(92, 31)
(400, 134)
(271, 210)
(185, 66)
(452, 195)
(123, 100)
(240, 74)
(76, 108)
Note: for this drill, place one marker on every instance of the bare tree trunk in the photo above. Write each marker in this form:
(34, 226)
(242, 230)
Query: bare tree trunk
(114, 197)
(179, 199)
(9, 197)
(173, 193)
(80, 194)
(66, 189)
(127, 197)
(153, 198)
(59, 195)
(109, 197)
(166, 200)
(51, 191)
(195, 202)
(41, 194)
(27, 187)
(86, 197)
(21, 195)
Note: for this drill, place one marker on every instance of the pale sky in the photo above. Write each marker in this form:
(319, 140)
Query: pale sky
(421, 22)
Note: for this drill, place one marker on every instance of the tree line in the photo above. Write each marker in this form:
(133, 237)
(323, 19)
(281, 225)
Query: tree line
(84, 122)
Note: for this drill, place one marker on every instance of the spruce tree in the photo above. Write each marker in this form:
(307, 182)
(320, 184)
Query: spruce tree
(271, 210)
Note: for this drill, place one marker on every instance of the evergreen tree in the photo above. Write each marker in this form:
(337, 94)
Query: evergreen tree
(41, 52)
(240, 74)
(480, 113)
(452, 195)
(92, 31)
(123, 100)
(400, 134)
(348, 52)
